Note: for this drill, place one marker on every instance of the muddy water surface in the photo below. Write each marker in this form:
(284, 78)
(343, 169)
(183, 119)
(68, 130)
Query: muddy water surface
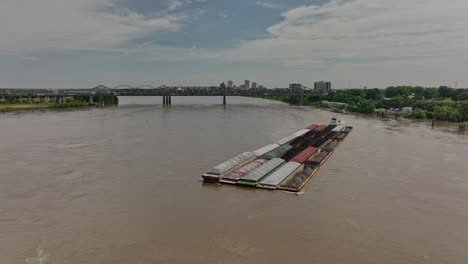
(121, 185)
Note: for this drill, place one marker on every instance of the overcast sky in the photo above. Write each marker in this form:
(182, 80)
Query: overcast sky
(374, 43)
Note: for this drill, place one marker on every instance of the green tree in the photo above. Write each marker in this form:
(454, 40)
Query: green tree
(430, 93)
(463, 109)
(373, 94)
(364, 106)
(462, 96)
(403, 91)
(445, 91)
(417, 114)
(447, 113)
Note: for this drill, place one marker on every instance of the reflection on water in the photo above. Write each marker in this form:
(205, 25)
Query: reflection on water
(121, 185)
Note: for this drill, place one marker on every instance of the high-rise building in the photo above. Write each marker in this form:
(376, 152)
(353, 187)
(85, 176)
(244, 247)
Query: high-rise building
(247, 84)
(254, 85)
(324, 87)
(230, 84)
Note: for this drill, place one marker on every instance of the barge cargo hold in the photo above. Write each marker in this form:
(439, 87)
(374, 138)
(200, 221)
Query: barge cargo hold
(312, 127)
(319, 158)
(274, 179)
(234, 176)
(292, 137)
(301, 132)
(305, 155)
(285, 165)
(265, 149)
(277, 152)
(255, 176)
(298, 180)
(344, 133)
(217, 173)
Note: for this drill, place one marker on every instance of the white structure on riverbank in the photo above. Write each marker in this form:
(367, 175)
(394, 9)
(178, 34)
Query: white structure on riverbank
(334, 103)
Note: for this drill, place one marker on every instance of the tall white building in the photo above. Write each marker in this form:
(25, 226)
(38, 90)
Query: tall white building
(254, 85)
(230, 84)
(247, 84)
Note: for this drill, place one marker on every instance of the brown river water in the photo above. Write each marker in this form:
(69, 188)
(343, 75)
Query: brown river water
(122, 185)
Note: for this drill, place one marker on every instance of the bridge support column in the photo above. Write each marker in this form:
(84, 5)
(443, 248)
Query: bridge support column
(170, 100)
(91, 99)
(164, 100)
(30, 99)
(224, 100)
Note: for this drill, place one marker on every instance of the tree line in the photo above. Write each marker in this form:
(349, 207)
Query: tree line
(443, 103)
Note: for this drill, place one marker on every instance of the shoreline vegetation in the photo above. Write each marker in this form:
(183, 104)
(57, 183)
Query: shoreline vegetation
(68, 104)
(442, 104)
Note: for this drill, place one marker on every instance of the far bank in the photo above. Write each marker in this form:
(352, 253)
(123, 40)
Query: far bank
(442, 104)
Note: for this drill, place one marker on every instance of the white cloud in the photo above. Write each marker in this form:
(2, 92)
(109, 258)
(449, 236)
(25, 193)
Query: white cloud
(378, 40)
(30, 25)
(365, 33)
(268, 5)
(175, 4)
(363, 30)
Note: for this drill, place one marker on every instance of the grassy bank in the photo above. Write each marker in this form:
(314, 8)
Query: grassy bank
(67, 105)
(17, 107)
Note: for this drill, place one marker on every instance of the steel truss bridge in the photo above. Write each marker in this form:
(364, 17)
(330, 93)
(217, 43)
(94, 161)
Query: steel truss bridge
(166, 92)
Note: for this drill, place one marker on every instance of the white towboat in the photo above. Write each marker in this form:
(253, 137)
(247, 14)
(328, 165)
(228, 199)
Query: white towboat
(336, 122)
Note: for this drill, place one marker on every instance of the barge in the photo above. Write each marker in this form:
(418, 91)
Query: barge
(273, 180)
(257, 175)
(217, 173)
(288, 164)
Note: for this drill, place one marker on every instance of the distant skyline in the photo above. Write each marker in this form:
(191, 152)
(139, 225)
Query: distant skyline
(373, 43)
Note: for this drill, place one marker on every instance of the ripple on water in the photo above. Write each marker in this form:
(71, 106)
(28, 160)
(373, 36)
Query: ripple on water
(41, 257)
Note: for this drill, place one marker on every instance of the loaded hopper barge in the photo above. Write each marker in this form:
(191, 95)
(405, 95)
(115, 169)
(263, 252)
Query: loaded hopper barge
(288, 164)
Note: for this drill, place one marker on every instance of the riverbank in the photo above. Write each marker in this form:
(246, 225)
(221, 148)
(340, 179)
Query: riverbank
(387, 114)
(18, 107)
(67, 103)
(23, 107)
(442, 104)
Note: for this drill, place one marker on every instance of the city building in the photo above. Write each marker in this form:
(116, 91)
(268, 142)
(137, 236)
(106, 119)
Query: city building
(247, 84)
(295, 86)
(324, 87)
(254, 85)
(230, 84)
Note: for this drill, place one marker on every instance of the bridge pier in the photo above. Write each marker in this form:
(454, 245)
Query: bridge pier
(167, 100)
(224, 100)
